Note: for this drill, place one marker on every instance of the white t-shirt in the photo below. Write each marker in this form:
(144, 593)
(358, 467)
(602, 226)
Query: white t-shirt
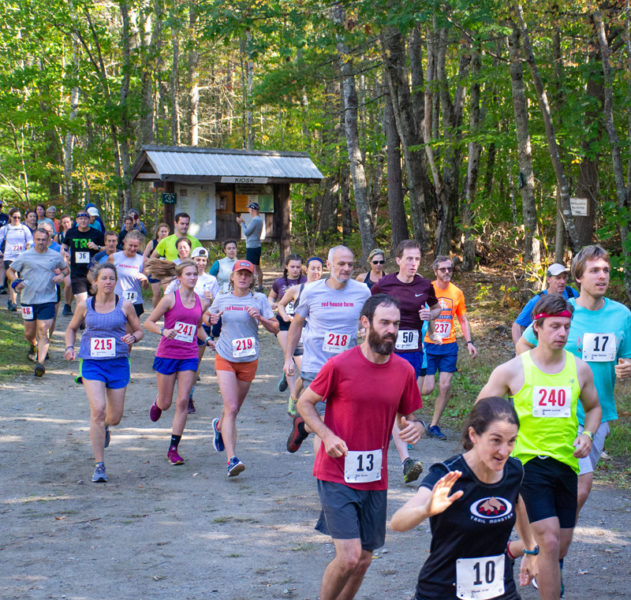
(206, 286)
(128, 285)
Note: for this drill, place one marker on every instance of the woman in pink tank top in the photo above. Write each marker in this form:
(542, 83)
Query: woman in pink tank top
(176, 357)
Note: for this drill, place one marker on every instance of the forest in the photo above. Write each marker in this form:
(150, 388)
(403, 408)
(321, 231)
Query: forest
(445, 121)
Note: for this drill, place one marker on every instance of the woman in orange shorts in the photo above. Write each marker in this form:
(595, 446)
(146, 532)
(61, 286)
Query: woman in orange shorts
(241, 310)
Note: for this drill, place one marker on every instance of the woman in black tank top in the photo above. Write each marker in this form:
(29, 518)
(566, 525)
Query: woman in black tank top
(376, 260)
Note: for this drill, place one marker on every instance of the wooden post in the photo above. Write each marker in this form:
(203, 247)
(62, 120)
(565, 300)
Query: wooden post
(168, 210)
(283, 221)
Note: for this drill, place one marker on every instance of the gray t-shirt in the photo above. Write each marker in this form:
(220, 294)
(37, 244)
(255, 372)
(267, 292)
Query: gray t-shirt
(239, 340)
(252, 232)
(37, 270)
(332, 320)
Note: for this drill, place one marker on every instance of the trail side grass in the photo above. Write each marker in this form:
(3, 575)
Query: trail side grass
(13, 347)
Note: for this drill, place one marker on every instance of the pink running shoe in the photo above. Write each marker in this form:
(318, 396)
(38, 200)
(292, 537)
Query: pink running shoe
(155, 412)
(173, 457)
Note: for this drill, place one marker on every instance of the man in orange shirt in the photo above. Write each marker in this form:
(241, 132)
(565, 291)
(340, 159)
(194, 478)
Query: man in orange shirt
(441, 348)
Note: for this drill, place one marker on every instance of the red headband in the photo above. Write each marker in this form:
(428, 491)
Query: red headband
(563, 313)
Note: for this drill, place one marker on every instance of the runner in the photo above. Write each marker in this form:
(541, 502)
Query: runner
(96, 222)
(252, 232)
(40, 211)
(292, 275)
(16, 238)
(129, 266)
(166, 246)
(376, 260)
(414, 294)
(556, 280)
(546, 384)
(35, 274)
(351, 466)
(83, 242)
(176, 356)
(104, 354)
(65, 226)
(442, 355)
(241, 311)
(473, 501)
(286, 310)
(162, 231)
(206, 287)
(51, 213)
(222, 268)
(55, 247)
(330, 309)
(30, 220)
(183, 247)
(600, 334)
(111, 244)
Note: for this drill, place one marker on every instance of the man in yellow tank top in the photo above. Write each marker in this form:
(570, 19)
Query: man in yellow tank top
(547, 383)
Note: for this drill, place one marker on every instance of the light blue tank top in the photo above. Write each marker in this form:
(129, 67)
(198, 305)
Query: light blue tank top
(102, 338)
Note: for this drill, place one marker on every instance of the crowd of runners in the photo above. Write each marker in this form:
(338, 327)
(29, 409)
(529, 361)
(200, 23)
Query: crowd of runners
(359, 351)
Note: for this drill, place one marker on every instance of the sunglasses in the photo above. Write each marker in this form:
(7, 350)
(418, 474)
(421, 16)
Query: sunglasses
(378, 262)
(16, 217)
(83, 215)
(446, 269)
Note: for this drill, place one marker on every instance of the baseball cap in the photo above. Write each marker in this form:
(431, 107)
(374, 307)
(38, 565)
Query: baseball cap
(254, 205)
(199, 252)
(556, 269)
(93, 212)
(243, 265)
(51, 209)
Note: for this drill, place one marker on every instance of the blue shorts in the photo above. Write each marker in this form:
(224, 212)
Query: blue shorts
(41, 312)
(113, 372)
(415, 359)
(442, 358)
(349, 514)
(253, 255)
(168, 366)
(207, 330)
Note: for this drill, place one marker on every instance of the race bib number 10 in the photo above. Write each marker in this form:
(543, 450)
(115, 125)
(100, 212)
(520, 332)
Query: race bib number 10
(599, 347)
(480, 578)
(549, 401)
(335, 342)
(407, 339)
(362, 467)
(184, 332)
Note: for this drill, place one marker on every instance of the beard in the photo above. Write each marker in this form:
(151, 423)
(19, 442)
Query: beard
(381, 344)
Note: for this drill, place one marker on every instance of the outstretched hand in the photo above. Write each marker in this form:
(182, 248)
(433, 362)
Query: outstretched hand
(441, 500)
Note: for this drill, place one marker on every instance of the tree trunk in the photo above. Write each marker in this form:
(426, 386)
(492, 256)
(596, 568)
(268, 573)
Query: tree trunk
(553, 149)
(126, 127)
(175, 107)
(345, 201)
(366, 226)
(193, 79)
(395, 177)
(532, 249)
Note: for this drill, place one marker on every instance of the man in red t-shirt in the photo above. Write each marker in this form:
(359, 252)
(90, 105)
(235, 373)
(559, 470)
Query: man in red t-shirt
(366, 388)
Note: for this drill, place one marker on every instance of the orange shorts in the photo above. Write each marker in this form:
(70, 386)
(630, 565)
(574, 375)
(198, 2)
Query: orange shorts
(245, 371)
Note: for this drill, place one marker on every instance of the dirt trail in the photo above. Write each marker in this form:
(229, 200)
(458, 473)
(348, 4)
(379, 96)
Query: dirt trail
(160, 532)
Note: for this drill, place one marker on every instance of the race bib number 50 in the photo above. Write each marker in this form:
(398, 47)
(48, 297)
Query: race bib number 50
(362, 467)
(549, 401)
(407, 339)
(480, 578)
(335, 342)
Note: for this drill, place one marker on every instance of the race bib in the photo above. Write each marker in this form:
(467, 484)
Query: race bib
(27, 313)
(549, 401)
(184, 332)
(335, 342)
(407, 339)
(243, 347)
(130, 295)
(290, 309)
(103, 347)
(480, 578)
(599, 347)
(362, 467)
(17, 247)
(442, 329)
(82, 258)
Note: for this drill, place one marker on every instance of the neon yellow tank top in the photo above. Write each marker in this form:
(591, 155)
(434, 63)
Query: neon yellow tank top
(546, 405)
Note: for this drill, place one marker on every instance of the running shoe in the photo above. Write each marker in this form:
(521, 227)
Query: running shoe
(411, 469)
(217, 437)
(107, 437)
(39, 370)
(297, 436)
(282, 383)
(292, 411)
(32, 353)
(155, 412)
(3, 290)
(99, 475)
(67, 311)
(191, 407)
(11, 306)
(235, 466)
(174, 457)
(434, 431)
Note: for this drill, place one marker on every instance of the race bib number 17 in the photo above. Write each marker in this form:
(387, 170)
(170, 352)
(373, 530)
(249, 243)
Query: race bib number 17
(599, 347)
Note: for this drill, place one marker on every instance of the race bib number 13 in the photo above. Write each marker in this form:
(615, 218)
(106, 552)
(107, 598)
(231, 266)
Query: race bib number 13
(362, 467)
(549, 401)
(480, 578)
(599, 347)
